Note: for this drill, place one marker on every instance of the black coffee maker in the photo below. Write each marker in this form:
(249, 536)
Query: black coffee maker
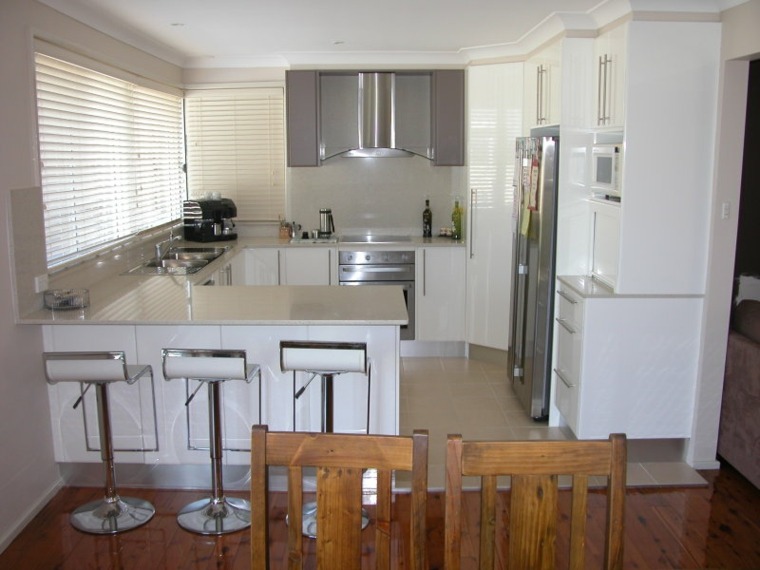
(209, 219)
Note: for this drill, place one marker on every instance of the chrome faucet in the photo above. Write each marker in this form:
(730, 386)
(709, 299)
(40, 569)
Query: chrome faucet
(160, 245)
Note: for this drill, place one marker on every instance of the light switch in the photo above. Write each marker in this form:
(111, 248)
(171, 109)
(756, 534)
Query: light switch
(40, 283)
(725, 210)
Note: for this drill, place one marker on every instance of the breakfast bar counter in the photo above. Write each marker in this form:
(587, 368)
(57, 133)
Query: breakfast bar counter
(141, 316)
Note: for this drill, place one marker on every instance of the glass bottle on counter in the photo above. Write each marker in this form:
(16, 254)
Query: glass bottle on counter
(456, 220)
(427, 220)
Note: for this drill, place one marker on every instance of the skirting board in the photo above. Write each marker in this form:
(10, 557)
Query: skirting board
(30, 513)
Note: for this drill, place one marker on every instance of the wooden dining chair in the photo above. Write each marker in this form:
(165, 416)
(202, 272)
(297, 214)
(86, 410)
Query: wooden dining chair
(534, 467)
(340, 460)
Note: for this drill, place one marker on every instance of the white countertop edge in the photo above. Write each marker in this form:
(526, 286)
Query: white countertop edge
(590, 288)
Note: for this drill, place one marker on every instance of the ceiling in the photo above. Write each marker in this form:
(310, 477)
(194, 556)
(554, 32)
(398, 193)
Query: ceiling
(288, 33)
(235, 33)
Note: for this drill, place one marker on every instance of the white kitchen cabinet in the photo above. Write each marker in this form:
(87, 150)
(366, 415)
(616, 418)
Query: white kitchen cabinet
(494, 98)
(440, 294)
(262, 266)
(666, 185)
(610, 59)
(542, 88)
(290, 266)
(625, 363)
(605, 231)
(307, 266)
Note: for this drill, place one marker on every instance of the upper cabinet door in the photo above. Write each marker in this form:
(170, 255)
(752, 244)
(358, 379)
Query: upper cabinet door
(302, 100)
(542, 88)
(448, 117)
(610, 51)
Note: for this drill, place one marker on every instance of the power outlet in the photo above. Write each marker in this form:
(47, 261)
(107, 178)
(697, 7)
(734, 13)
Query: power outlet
(40, 283)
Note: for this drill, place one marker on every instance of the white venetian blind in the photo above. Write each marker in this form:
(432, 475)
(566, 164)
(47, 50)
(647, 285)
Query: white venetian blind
(112, 158)
(236, 147)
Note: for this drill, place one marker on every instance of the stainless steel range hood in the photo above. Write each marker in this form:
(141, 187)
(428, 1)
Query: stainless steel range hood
(377, 118)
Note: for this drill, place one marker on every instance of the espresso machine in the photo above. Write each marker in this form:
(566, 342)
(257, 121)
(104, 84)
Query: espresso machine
(209, 219)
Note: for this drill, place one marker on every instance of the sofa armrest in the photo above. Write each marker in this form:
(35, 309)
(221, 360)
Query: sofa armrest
(739, 435)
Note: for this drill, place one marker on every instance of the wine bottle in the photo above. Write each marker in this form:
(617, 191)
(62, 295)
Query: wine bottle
(456, 221)
(427, 220)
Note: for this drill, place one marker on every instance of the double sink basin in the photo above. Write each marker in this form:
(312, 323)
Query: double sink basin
(179, 261)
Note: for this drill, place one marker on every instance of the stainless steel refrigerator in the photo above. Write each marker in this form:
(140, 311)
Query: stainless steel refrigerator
(533, 257)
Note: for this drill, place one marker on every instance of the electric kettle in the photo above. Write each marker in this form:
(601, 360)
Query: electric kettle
(326, 224)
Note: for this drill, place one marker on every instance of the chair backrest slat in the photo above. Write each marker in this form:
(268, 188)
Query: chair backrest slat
(533, 521)
(340, 461)
(535, 468)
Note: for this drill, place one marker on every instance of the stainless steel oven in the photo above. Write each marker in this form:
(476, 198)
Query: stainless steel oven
(381, 268)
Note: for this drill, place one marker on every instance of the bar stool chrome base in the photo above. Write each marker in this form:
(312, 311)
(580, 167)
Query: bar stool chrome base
(112, 515)
(216, 516)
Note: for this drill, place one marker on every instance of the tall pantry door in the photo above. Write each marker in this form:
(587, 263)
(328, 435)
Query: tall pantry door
(494, 122)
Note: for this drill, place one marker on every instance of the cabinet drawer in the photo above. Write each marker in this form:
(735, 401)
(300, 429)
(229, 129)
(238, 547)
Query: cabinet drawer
(566, 399)
(568, 352)
(570, 309)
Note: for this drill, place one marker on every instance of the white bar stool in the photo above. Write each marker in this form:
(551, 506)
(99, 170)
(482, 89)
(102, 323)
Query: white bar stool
(325, 359)
(113, 513)
(217, 514)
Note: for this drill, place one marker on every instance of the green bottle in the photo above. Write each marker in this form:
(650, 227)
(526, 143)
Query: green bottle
(427, 220)
(456, 220)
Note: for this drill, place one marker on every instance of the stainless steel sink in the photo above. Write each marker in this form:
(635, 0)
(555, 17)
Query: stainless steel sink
(194, 253)
(179, 261)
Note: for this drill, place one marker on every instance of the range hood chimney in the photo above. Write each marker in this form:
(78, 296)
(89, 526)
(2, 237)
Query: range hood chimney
(377, 128)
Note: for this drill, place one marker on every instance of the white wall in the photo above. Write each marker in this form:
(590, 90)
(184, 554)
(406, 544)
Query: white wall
(28, 473)
(740, 43)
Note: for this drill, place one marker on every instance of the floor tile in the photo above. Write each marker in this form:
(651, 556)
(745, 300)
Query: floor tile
(474, 399)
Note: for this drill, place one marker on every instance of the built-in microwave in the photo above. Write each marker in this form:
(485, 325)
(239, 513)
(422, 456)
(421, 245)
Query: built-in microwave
(606, 169)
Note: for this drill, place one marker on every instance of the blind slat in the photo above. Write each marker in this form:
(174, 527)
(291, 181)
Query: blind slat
(112, 156)
(236, 146)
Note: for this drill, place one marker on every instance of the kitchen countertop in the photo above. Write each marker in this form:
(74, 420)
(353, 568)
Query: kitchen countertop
(170, 301)
(139, 299)
(591, 288)
(406, 242)
(586, 286)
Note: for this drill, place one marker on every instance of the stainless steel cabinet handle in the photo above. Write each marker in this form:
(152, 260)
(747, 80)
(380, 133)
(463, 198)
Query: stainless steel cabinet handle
(565, 381)
(607, 77)
(565, 325)
(538, 95)
(599, 101)
(473, 202)
(541, 94)
(424, 272)
(566, 297)
(279, 267)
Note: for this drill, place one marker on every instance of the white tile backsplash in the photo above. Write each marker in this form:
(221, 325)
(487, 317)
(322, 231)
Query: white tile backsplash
(378, 194)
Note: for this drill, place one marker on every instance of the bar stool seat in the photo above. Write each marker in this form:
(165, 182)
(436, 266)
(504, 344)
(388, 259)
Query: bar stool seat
(325, 359)
(217, 514)
(112, 514)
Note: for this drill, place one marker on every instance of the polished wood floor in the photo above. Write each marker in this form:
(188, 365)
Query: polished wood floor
(714, 526)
